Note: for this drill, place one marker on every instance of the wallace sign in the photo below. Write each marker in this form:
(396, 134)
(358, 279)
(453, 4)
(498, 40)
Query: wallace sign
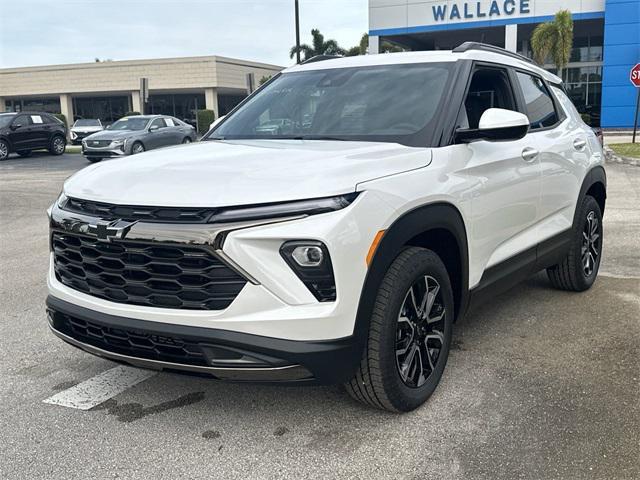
(479, 10)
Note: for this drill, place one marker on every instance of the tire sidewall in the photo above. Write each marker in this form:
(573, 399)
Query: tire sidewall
(403, 397)
(133, 148)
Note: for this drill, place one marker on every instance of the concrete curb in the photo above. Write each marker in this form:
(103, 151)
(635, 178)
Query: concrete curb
(612, 157)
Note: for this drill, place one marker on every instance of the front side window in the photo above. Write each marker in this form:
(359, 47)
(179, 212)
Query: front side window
(386, 103)
(158, 122)
(489, 88)
(22, 120)
(539, 106)
(130, 123)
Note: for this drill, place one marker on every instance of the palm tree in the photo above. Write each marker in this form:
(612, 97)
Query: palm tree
(363, 47)
(319, 47)
(554, 39)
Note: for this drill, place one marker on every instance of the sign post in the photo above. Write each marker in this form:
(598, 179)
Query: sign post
(634, 76)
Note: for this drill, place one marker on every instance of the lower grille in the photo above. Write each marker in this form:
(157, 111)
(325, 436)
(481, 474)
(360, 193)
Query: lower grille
(98, 143)
(148, 274)
(131, 342)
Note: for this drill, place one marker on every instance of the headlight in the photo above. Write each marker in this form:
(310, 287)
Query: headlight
(274, 210)
(117, 143)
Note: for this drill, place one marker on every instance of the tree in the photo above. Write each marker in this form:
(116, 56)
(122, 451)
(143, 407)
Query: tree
(319, 47)
(265, 79)
(363, 47)
(554, 39)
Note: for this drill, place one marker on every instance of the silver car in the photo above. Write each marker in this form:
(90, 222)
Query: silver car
(135, 134)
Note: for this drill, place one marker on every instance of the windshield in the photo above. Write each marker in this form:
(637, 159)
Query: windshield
(129, 123)
(392, 103)
(87, 123)
(5, 120)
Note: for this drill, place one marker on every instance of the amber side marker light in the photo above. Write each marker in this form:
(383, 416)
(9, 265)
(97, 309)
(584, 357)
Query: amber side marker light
(374, 246)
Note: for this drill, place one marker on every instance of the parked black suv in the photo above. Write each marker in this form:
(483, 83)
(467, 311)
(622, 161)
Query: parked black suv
(26, 131)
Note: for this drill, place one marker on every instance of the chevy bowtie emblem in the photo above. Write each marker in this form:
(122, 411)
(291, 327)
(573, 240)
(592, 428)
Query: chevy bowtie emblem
(106, 231)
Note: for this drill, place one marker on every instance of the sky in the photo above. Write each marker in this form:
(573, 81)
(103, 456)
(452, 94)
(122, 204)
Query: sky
(46, 32)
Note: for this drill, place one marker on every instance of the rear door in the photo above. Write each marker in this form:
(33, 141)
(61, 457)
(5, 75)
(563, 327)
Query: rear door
(506, 195)
(40, 130)
(174, 135)
(563, 154)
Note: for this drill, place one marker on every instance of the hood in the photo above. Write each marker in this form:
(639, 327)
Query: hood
(95, 128)
(112, 134)
(228, 173)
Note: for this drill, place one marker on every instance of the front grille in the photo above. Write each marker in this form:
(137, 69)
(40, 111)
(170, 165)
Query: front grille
(98, 143)
(107, 211)
(154, 275)
(132, 343)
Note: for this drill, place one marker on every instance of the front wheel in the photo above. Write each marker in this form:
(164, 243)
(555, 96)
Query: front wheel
(4, 150)
(58, 145)
(137, 148)
(579, 268)
(409, 334)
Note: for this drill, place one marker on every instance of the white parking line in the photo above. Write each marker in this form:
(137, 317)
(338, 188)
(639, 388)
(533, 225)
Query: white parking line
(100, 388)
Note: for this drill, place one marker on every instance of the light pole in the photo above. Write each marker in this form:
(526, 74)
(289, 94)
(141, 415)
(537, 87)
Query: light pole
(297, 33)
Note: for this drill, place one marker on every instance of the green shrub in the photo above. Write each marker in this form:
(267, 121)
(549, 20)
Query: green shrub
(131, 114)
(586, 118)
(62, 118)
(205, 118)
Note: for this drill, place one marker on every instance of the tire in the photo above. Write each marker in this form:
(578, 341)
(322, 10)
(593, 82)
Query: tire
(579, 268)
(4, 150)
(94, 159)
(58, 145)
(186, 140)
(383, 379)
(25, 153)
(136, 148)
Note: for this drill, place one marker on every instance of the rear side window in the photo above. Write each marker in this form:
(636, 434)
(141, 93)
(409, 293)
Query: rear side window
(539, 106)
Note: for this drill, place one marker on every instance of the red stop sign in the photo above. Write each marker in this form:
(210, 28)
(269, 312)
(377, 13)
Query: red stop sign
(634, 75)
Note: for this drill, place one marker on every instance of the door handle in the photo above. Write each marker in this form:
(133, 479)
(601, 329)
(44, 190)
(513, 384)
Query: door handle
(529, 154)
(579, 143)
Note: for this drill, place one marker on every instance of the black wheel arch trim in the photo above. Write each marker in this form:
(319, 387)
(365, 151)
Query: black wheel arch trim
(594, 176)
(420, 220)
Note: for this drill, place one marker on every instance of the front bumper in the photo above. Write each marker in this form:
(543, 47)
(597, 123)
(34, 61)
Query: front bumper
(274, 315)
(102, 152)
(219, 354)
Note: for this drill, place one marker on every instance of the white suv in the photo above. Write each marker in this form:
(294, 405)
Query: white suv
(334, 226)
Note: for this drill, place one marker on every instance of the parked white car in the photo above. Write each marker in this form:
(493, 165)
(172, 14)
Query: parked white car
(398, 192)
(83, 128)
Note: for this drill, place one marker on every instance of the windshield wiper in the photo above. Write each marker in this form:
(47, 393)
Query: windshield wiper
(316, 137)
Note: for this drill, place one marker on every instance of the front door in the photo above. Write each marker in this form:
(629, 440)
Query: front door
(506, 196)
(22, 135)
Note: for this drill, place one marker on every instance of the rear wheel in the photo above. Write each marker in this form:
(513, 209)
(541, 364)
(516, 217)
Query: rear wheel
(579, 269)
(4, 150)
(137, 148)
(409, 334)
(186, 140)
(25, 153)
(58, 145)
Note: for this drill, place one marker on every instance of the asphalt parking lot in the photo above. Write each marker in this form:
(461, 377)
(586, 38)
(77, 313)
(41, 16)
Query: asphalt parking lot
(540, 384)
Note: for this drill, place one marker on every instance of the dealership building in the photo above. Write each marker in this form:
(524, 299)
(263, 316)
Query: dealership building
(107, 90)
(606, 42)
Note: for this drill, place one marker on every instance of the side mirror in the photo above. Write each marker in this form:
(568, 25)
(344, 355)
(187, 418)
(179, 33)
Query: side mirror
(154, 128)
(496, 124)
(15, 126)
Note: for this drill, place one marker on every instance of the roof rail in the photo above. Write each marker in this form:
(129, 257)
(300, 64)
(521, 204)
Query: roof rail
(320, 58)
(466, 46)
